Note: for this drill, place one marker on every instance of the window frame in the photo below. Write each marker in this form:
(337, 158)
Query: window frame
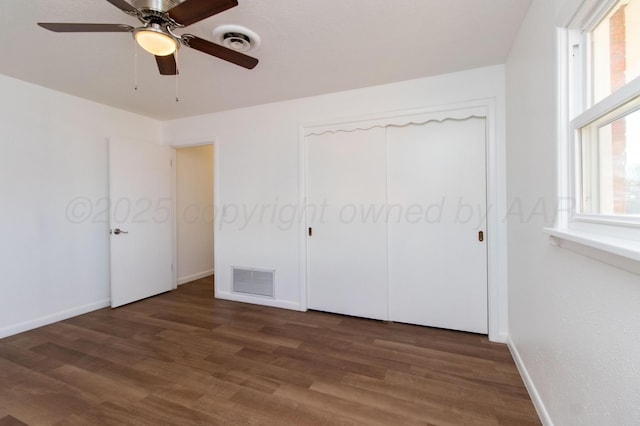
(611, 239)
(581, 112)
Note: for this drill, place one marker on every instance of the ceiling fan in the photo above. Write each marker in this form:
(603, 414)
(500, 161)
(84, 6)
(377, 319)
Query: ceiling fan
(160, 18)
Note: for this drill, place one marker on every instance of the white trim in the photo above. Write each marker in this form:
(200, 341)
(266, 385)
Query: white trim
(617, 99)
(256, 300)
(541, 409)
(564, 148)
(496, 189)
(599, 247)
(216, 202)
(50, 319)
(584, 13)
(396, 119)
(620, 220)
(457, 111)
(192, 142)
(618, 246)
(193, 277)
(174, 222)
(302, 220)
(388, 230)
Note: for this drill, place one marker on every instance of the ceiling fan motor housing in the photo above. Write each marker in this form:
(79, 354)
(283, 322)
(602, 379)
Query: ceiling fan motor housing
(155, 5)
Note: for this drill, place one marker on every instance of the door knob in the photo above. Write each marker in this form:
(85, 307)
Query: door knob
(119, 231)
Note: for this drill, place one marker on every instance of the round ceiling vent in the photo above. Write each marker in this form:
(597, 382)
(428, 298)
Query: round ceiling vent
(236, 37)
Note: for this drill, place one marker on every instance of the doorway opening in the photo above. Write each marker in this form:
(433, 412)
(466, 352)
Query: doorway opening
(194, 213)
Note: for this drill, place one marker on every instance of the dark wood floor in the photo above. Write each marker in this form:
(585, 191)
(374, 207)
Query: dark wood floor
(184, 358)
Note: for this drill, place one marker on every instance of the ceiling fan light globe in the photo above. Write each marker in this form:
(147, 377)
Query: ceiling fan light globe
(156, 42)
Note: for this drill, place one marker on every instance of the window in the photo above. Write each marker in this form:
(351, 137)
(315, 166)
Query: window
(615, 49)
(605, 128)
(599, 130)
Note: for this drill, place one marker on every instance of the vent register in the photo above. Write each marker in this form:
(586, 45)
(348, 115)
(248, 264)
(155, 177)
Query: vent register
(256, 282)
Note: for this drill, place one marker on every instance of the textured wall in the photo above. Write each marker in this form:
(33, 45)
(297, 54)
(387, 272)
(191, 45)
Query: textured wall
(53, 202)
(574, 321)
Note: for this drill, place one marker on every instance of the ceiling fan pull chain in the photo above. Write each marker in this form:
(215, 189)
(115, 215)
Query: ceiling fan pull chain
(177, 68)
(135, 65)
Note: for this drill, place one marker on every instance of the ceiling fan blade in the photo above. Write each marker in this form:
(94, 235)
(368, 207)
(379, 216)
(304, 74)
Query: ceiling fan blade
(167, 65)
(124, 6)
(191, 11)
(60, 27)
(220, 51)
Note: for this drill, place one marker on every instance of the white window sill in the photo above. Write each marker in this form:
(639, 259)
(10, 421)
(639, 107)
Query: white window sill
(618, 252)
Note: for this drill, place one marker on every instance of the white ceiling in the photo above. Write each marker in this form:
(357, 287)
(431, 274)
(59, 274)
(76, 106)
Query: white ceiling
(309, 47)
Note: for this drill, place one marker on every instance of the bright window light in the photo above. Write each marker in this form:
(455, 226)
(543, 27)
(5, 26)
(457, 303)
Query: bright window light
(615, 49)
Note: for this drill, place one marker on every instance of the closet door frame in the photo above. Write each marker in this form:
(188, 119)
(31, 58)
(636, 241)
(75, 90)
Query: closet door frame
(496, 190)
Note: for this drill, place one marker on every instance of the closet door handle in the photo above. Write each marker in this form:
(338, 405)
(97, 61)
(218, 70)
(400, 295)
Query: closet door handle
(480, 236)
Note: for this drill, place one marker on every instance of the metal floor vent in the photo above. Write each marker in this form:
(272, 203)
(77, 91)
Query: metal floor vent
(258, 282)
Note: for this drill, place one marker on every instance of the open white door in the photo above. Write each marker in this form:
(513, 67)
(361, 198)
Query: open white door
(141, 215)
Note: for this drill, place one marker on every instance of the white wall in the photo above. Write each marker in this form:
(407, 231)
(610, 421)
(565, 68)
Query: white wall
(53, 189)
(575, 322)
(194, 211)
(257, 165)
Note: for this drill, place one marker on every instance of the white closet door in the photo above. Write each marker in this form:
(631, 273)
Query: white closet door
(347, 253)
(437, 265)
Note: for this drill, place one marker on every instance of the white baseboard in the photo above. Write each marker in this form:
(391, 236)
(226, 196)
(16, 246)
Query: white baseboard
(531, 387)
(256, 300)
(499, 338)
(50, 319)
(193, 277)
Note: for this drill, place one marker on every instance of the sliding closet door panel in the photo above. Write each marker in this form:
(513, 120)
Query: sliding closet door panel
(347, 251)
(437, 205)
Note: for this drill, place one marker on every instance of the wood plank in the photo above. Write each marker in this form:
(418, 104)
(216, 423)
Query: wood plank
(97, 387)
(11, 421)
(27, 358)
(432, 395)
(186, 358)
(356, 412)
(287, 411)
(35, 398)
(432, 413)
